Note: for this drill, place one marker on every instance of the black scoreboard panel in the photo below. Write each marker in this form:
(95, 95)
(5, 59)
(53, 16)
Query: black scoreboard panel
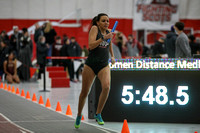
(151, 96)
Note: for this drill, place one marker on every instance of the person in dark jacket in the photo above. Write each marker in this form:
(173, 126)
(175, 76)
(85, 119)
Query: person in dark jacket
(4, 36)
(42, 49)
(159, 47)
(56, 50)
(65, 51)
(25, 55)
(4, 50)
(15, 40)
(195, 48)
(49, 34)
(75, 51)
(38, 32)
(170, 42)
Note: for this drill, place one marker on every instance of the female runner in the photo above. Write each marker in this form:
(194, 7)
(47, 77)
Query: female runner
(97, 65)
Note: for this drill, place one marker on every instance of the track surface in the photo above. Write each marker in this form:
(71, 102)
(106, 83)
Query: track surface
(24, 116)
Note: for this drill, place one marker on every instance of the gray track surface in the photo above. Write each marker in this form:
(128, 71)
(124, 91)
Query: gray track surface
(39, 119)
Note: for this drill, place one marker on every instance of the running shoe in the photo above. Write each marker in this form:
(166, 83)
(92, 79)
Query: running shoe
(78, 122)
(99, 119)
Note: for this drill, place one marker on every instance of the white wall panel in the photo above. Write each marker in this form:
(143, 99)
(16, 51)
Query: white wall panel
(128, 10)
(86, 7)
(182, 8)
(6, 8)
(67, 7)
(36, 9)
(57, 9)
(20, 9)
(117, 7)
(193, 9)
(52, 9)
(100, 6)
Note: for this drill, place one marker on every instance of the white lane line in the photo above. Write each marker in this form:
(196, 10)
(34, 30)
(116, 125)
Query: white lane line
(103, 130)
(37, 121)
(15, 124)
(22, 131)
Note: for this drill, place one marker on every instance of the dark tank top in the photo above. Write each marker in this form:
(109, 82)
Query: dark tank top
(100, 54)
(10, 67)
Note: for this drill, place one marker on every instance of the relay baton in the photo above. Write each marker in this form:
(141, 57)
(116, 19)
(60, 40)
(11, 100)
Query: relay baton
(113, 29)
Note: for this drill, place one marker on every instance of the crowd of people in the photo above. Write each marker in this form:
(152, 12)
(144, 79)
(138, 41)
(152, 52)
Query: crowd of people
(19, 46)
(49, 44)
(176, 44)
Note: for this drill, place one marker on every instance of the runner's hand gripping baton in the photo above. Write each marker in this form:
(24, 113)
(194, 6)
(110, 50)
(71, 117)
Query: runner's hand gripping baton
(113, 29)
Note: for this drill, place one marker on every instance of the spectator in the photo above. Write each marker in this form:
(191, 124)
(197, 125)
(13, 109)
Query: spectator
(42, 50)
(25, 40)
(119, 41)
(116, 52)
(75, 48)
(10, 69)
(195, 48)
(182, 43)
(65, 37)
(15, 40)
(134, 48)
(65, 51)
(25, 54)
(56, 50)
(4, 36)
(75, 51)
(159, 47)
(38, 32)
(49, 34)
(3, 53)
(146, 51)
(85, 51)
(170, 42)
(198, 40)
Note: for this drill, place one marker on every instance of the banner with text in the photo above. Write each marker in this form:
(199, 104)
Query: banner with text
(168, 64)
(155, 14)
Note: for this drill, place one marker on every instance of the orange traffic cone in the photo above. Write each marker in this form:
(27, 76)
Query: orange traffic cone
(22, 93)
(1, 86)
(48, 104)
(69, 111)
(28, 95)
(58, 108)
(34, 99)
(82, 118)
(125, 128)
(13, 89)
(9, 88)
(17, 91)
(41, 100)
(5, 87)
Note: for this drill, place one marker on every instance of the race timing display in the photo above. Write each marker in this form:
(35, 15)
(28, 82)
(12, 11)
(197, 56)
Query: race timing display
(161, 97)
(152, 90)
